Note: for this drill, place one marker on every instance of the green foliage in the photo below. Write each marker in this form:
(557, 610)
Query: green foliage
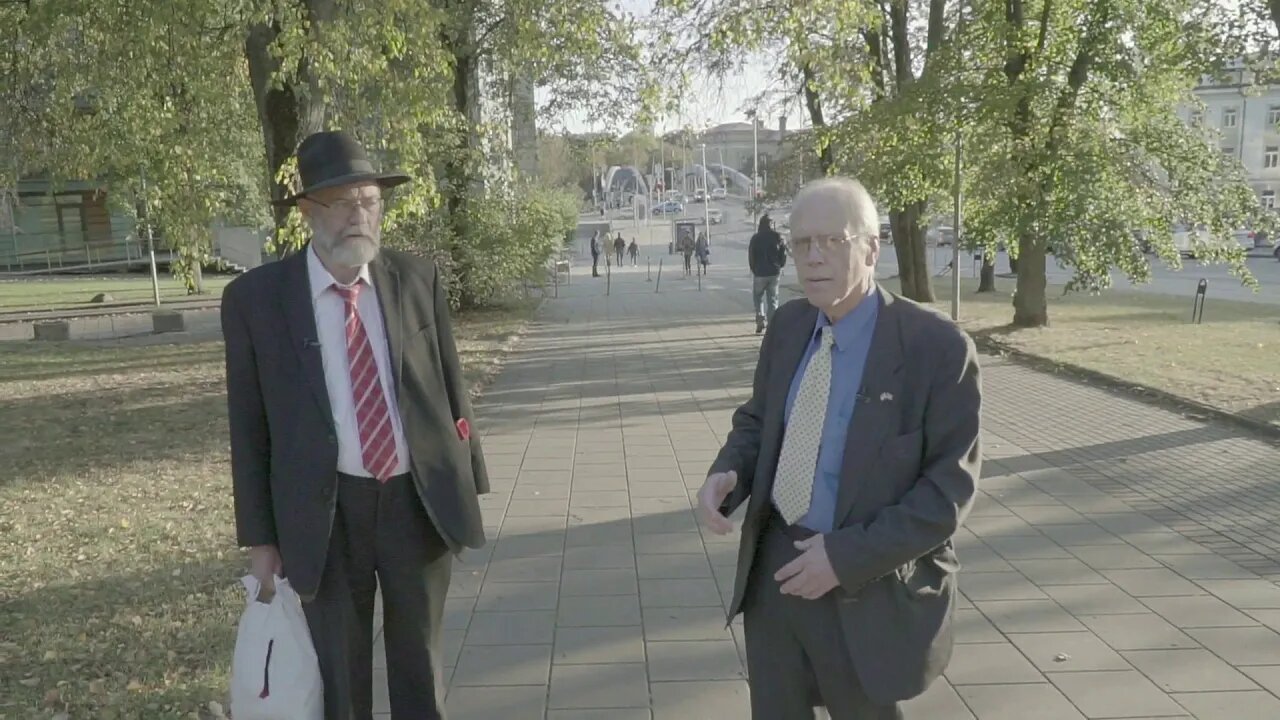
(149, 89)
(1066, 110)
(512, 234)
(1100, 155)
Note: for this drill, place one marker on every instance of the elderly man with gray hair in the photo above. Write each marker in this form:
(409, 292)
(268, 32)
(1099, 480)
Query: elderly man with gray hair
(857, 456)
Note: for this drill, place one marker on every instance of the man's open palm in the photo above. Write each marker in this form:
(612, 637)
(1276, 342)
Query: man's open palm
(711, 497)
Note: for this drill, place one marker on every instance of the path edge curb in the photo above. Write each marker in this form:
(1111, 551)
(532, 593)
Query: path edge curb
(1143, 393)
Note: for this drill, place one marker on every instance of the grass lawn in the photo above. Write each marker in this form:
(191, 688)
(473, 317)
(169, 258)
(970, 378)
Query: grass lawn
(1231, 361)
(68, 293)
(118, 570)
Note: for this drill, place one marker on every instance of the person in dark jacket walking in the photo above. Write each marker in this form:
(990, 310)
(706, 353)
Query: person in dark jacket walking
(634, 250)
(595, 254)
(767, 255)
(619, 247)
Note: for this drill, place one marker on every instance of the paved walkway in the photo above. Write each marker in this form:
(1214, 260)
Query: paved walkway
(1109, 566)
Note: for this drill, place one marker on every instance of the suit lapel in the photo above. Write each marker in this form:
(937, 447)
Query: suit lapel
(301, 317)
(386, 280)
(876, 410)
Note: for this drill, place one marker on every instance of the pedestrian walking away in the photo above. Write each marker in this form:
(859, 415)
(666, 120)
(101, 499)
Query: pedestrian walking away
(687, 248)
(596, 249)
(766, 256)
(703, 250)
(857, 457)
(634, 250)
(619, 247)
(354, 466)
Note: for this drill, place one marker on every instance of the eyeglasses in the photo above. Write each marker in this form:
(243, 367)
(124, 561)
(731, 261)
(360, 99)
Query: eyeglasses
(346, 205)
(825, 244)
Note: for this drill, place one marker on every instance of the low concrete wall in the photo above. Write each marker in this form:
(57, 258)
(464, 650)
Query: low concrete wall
(51, 330)
(167, 321)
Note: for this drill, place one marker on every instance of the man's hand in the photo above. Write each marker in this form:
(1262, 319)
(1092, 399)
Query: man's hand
(265, 565)
(809, 576)
(711, 496)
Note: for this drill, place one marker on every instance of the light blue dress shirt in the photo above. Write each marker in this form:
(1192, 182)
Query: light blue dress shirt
(853, 334)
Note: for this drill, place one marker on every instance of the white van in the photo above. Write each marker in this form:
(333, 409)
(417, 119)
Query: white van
(1184, 238)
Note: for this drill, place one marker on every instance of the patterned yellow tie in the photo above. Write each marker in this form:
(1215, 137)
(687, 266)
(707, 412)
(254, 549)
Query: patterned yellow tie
(793, 483)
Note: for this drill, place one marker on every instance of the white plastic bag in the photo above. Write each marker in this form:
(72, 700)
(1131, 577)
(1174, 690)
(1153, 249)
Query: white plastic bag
(274, 672)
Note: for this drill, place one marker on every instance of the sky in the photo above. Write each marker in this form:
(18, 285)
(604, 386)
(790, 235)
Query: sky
(710, 101)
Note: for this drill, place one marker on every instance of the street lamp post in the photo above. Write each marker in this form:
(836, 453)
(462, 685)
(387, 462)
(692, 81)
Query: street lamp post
(755, 165)
(706, 194)
(955, 241)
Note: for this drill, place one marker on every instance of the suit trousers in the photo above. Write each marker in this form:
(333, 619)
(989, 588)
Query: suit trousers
(797, 658)
(381, 538)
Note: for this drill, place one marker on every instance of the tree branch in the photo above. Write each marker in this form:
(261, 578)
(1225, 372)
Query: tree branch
(900, 33)
(875, 48)
(826, 158)
(1043, 37)
(937, 24)
(1086, 54)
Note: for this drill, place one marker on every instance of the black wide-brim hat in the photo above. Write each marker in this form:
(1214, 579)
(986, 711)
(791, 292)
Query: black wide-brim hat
(333, 158)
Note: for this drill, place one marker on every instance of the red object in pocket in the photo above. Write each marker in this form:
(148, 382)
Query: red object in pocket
(464, 429)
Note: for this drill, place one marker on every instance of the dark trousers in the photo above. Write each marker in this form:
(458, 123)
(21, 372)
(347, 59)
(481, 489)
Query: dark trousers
(381, 538)
(619, 258)
(595, 264)
(797, 658)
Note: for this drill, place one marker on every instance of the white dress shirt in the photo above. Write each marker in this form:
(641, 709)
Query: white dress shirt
(331, 324)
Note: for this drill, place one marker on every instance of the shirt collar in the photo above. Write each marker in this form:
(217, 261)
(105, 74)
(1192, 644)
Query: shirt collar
(320, 277)
(847, 329)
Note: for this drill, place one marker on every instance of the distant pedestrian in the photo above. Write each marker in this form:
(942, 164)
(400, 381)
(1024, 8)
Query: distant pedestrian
(687, 247)
(634, 250)
(703, 250)
(767, 255)
(619, 247)
(595, 254)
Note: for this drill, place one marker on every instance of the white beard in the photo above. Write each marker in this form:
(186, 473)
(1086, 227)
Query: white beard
(354, 252)
(345, 252)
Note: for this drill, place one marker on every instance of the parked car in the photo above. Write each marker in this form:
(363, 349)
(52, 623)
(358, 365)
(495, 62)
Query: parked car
(886, 231)
(940, 235)
(718, 193)
(670, 207)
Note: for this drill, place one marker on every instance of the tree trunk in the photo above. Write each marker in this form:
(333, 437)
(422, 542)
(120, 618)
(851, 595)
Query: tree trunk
(277, 110)
(909, 244)
(459, 169)
(813, 102)
(1030, 308)
(987, 280)
(290, 112)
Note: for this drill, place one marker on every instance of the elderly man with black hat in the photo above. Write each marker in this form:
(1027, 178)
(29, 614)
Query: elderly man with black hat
(354, 464)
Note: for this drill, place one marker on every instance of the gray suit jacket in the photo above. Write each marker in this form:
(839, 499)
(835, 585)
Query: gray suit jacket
(910, 473)
(284, 450)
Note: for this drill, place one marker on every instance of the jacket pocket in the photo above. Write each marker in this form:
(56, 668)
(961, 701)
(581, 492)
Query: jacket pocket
(907, 446)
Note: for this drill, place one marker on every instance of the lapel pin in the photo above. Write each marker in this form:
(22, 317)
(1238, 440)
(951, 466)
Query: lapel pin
(886, 397)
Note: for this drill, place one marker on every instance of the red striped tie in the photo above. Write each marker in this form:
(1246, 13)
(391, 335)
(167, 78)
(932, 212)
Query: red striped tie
(373, 416)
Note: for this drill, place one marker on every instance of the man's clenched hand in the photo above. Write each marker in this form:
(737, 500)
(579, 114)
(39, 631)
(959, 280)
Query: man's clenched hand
(711, 496)
(265, 565)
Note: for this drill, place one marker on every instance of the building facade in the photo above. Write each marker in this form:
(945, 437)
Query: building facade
(43, 227)
(1243, 119)
(731, 144)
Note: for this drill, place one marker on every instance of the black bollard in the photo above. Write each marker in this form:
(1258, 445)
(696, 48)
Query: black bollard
(1197, 305)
